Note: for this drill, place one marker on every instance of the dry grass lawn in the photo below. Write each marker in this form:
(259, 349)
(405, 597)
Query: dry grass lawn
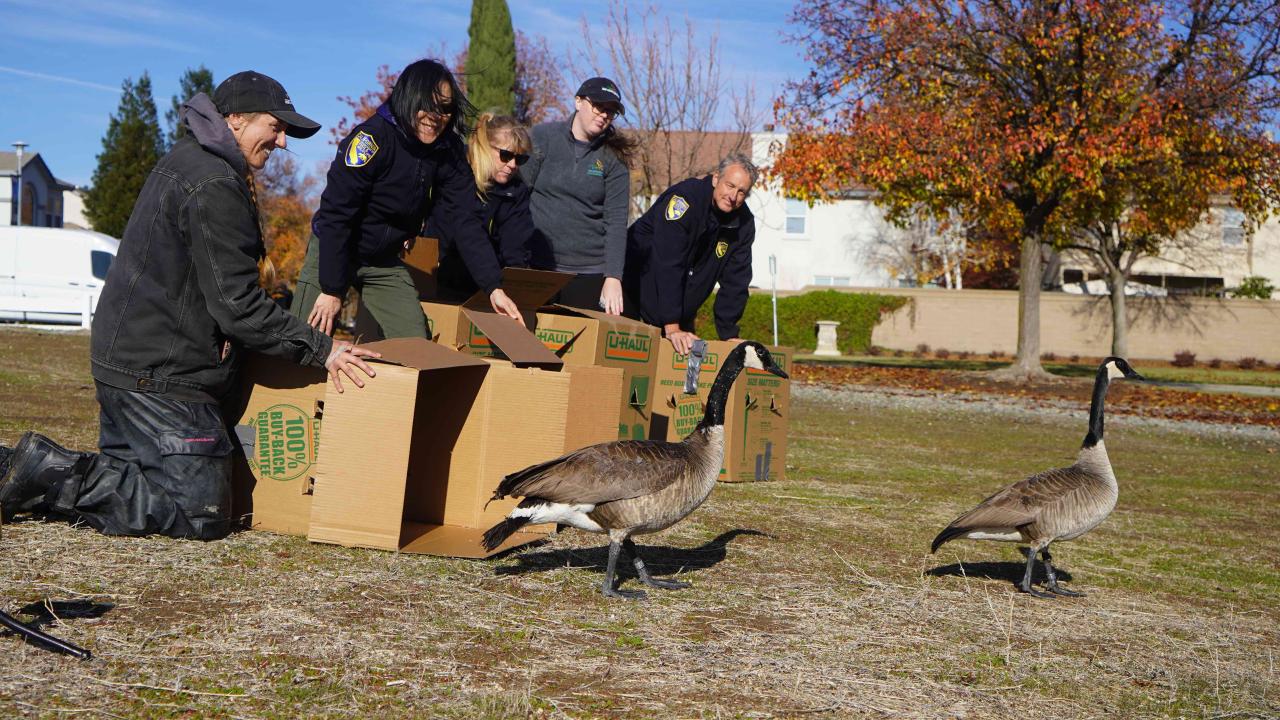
(812, 597)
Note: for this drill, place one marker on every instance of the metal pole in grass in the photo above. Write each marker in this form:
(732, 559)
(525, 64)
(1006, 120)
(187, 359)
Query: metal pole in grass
(42, 638)
(773, 273)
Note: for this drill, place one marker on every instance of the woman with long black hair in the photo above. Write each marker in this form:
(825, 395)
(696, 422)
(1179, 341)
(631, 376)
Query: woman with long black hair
(404, 165)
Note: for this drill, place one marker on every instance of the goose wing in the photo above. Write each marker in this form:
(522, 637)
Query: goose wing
(601, 473)
(1016, 505)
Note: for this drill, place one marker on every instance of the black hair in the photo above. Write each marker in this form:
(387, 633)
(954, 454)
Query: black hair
(415, 91)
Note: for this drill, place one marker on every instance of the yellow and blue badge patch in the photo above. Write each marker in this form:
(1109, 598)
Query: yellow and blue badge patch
(596, 169)
(361, 150)
(722, 247)
(676, 207)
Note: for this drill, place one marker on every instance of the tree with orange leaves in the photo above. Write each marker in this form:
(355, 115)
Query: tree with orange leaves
(286, 201)
(1029, 118)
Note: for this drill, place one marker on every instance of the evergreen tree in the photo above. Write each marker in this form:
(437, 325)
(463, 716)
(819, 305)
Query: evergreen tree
(130, 149)
(194, 81)
(491, 57)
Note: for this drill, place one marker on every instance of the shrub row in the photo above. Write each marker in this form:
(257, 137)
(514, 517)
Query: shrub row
(798, 315)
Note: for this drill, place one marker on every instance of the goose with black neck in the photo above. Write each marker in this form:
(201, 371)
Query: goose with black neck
(630, 487)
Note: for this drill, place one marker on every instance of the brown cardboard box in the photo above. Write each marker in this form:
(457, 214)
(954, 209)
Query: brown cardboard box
(473, 328)
(588, 337)
(279, 430)
(756, 415)
(412, 459)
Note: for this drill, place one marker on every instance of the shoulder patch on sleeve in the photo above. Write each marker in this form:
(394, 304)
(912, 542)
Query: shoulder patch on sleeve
(361, 150)
(676, 207)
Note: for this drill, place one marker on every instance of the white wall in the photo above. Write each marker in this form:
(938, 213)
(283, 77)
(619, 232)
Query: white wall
(833, 245)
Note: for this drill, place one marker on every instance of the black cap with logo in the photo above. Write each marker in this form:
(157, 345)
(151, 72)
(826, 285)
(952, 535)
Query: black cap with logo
(601, 90)
(250, 91)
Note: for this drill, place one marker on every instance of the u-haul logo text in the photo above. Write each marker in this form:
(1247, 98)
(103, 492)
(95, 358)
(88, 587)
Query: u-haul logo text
(627, 346)
(710, 362)
(555, 339)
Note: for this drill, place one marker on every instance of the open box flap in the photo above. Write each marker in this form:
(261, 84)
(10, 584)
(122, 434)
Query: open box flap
(528, 289)
(519, 345)
(454, 541)
(421, 354)
(600, 315)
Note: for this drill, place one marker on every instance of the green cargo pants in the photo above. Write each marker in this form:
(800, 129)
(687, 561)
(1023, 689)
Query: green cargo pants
(387, 293)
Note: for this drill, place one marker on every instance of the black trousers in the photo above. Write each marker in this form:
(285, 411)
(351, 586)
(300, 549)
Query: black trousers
(164, 468)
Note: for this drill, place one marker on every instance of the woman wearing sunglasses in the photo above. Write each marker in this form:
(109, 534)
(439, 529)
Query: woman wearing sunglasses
(403, 165)
(498, 148)
(581, 186)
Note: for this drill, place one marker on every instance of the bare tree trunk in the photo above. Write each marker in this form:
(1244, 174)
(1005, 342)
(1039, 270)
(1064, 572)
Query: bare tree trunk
(1026, 366)
(1119, 317)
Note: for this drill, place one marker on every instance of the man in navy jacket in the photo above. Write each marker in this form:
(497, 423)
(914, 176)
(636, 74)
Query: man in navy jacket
(697, 234)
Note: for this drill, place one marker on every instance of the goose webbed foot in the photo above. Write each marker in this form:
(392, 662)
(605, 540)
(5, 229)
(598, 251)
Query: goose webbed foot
(643, 572)
(1059, 590)
(623, 594)
(1028, 589)
(1052, 576)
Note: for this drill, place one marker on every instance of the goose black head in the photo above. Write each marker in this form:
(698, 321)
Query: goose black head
(1118, 367)
(757, 356)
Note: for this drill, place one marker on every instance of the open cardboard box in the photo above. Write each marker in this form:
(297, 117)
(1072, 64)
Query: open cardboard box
(279, 430)
(584, 338)
(756, 416)
(412, 458)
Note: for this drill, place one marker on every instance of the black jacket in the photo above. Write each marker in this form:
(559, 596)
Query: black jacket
(182, 298)
(509, 225)
(677, 252)
(381, 188)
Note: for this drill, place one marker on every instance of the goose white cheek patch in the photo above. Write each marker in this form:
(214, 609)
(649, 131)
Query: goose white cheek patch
(752, 359)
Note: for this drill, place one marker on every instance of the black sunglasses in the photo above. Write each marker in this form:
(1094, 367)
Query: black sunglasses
(507, 156)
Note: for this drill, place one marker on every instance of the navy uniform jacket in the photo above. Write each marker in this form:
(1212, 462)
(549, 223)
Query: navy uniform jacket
(509, 224)
(677, 252)
(381, 188)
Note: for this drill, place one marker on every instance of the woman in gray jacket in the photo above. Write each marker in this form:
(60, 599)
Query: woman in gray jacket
(182, 300)
(581, 186)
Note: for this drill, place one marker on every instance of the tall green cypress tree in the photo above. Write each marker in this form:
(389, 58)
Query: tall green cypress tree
(130, 149)
(194, 81)
(491, 57)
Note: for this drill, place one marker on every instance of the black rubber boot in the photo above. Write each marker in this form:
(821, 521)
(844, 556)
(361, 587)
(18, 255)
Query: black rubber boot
(37, 464)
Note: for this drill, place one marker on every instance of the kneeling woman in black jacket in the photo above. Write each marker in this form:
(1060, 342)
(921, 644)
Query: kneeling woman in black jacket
(403, 165)
(182, 300)
(497, 149)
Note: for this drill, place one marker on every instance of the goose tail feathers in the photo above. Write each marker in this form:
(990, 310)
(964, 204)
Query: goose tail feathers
(949, 533)
(496, 535)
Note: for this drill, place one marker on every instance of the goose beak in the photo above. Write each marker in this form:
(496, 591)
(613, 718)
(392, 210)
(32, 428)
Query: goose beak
(1133, 375)
(779, 372)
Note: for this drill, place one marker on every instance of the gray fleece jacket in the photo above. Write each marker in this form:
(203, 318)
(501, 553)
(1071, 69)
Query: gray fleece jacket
(579, 202)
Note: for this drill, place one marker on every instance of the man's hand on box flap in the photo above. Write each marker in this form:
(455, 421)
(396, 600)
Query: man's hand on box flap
(344, 360)
(503, 305)
(680, 340)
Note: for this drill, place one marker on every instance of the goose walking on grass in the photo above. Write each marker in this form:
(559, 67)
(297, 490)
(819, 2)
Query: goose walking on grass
(1058, 504)
(630, 487)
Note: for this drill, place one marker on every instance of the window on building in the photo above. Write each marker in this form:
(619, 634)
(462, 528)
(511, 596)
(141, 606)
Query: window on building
(832, 280)
(797, 216)
(1232, 227)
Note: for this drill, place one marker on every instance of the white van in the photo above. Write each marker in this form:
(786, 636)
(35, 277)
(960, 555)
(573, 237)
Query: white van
(52, 275)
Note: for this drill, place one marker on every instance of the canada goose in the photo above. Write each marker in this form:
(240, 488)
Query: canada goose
(630, 487)
(1058, 504)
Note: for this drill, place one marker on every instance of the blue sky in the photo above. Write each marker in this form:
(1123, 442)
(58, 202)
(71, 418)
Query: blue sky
(64, 60)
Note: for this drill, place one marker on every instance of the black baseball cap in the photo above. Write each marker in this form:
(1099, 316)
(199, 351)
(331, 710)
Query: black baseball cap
(601, 90)
(250, 91)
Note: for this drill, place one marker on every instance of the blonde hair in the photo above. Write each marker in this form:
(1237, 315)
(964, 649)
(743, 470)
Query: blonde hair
(480, 149)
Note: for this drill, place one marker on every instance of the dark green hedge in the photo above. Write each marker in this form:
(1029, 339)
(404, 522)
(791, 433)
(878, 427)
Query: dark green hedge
(798, 315)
